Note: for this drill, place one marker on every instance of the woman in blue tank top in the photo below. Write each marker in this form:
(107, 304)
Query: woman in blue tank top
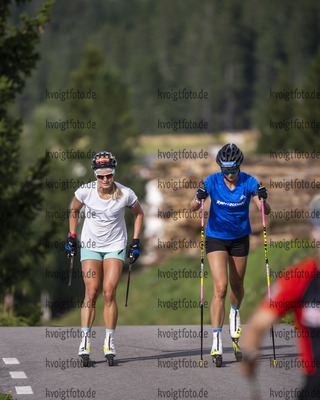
(227, 239)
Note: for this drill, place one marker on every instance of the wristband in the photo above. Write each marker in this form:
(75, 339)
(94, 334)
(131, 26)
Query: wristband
(73, 235)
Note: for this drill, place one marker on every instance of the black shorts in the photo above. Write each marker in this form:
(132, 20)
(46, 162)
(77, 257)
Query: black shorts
(234, 247)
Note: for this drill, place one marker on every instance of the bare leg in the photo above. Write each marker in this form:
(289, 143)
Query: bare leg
(237, 270)
(112, 268)
(218, 266)
(91, 270)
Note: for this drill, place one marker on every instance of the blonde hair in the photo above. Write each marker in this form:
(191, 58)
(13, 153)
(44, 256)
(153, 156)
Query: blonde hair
(116, 192)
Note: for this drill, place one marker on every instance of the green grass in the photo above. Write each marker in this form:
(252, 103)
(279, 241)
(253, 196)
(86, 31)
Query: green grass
(8, 318)
(146, 287)
(256, 286)
(149, 144)
(4, 396)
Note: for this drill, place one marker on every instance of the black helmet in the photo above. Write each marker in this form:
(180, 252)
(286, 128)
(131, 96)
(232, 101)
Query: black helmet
(103, 159)
(229, 156)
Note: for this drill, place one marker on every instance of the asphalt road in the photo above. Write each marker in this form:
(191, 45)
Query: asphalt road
(153, 362)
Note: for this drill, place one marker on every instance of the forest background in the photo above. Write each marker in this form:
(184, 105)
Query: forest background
(132, 54)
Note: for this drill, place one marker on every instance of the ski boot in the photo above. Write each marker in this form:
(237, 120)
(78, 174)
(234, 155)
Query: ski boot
(109, 349)
(84, 350)
(235, 344)
(216, 350)
(235, 332)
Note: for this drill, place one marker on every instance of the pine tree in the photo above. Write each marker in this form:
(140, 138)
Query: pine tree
(20, 191)
(309, 110)
(111, 111)
(274, 114)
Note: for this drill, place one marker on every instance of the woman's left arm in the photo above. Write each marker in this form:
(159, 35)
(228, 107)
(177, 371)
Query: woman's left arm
(267, 208)
(138, 213)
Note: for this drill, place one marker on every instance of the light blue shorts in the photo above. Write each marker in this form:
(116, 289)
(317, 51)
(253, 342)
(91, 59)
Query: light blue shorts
(87, 254)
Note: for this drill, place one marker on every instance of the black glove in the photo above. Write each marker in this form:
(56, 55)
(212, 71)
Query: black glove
(262, 193)
(71, 246)
(202, 193)
(134, 251)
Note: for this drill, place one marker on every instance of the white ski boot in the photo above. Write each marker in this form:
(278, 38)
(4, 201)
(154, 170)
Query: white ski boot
(235, 332)
(109, 348)
(84, 349)
(216, 350)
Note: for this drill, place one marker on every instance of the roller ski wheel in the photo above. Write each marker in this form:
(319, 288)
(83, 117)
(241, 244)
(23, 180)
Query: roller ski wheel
(85, 360)
(217, 359)
(110, 359)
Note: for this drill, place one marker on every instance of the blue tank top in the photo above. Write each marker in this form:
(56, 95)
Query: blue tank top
(229, 209)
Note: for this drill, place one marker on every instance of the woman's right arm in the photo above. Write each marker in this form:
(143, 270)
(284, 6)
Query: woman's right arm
(196, 201)
(74, 215)
(194, 205)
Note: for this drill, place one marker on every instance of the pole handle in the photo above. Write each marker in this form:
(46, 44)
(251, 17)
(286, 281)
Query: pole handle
(71, 268)
(262, 206)
(128, 284)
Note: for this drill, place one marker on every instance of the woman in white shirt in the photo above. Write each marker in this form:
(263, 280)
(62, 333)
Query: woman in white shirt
(103, 245)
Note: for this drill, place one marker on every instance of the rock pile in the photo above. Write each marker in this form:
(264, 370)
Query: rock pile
(171, 229)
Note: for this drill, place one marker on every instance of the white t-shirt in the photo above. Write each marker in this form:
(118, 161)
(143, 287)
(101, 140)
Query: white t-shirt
(104, 227)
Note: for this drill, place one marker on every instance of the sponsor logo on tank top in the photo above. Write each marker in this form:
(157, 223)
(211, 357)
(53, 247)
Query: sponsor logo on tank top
(223, 203)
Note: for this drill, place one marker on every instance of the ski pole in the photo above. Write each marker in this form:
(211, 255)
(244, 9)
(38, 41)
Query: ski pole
(201, 274)
(71, 268)
(267, 268)
(128, 283)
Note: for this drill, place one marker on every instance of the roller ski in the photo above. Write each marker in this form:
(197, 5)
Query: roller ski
(85, 360)
(235, 332)
(216, 358)
(236, 348)
(84, 350)
(110, 359)
(109, 349)
(216, 350)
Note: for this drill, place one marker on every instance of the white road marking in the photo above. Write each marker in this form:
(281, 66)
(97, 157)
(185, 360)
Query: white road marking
(11, 360)
(18, 375)
(23, 389)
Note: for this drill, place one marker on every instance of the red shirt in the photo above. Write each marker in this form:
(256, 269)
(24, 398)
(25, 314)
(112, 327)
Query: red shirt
(299, 290)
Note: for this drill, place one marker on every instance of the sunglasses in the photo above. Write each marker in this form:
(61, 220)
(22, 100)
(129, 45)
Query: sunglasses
(101, 177)
(230, 171)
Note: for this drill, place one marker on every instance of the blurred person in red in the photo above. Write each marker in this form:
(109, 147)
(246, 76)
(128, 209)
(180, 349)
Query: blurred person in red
(298, 290)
